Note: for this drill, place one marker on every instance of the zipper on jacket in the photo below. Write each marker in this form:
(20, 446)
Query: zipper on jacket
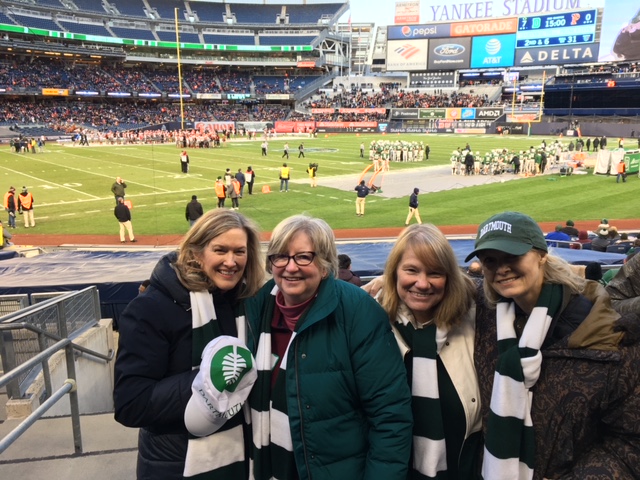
(304, 446)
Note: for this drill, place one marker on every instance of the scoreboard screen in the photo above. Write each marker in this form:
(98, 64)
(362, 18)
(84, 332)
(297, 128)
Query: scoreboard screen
(558, 29)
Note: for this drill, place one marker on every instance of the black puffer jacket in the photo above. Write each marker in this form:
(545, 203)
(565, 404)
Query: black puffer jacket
(153, 370)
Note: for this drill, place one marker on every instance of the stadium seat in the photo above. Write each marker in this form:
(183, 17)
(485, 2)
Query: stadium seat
(618, 248)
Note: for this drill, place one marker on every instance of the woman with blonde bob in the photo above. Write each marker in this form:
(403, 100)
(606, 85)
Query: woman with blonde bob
(195, 296)
(431, 304)
(331, 400)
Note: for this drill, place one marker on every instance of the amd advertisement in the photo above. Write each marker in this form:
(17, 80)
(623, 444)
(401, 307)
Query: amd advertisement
(449, 53)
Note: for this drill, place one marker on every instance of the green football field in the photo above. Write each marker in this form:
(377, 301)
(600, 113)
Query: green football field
(71, 185)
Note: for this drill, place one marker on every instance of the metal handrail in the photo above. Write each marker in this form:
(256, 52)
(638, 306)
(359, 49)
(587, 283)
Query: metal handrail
(69, 385)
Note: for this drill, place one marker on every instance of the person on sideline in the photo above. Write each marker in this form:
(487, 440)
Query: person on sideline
(301, 150)
(234, 193)
(361, 149)
(284, 178)
(285, 151)
(194, 210)
(221, 191)
(184, 162)
(123, 214)
(431, 304)
(361, 191)
(25, 207)
(118, 188)
(242, 179)
(331, 400)
(11, 206)
(250, 178)
(622, 171)
(264, 147)
(558, 376)
(195, 296)
(312, 171)
(344, 270)
(413, 207)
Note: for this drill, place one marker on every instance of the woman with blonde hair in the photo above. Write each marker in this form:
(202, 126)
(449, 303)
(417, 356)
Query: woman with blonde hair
(196, 296)
(431, 304)
(559, 379)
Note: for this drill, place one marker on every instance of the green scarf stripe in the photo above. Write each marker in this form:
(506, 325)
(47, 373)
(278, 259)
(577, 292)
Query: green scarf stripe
(283, 463)
(260, 403)
(526, 352)
(234, 471)
(201, 336)
(509, 365)
(415, 475)
(505, 344)
(422, 344)
(510, 436)
(423, 423)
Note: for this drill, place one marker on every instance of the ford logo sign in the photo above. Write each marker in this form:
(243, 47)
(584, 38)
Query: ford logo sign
(449, 50)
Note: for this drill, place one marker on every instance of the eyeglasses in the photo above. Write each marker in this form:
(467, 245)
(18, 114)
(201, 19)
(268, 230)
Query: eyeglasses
(302, 259)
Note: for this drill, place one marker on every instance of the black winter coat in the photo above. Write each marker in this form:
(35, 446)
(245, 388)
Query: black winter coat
(153, 370)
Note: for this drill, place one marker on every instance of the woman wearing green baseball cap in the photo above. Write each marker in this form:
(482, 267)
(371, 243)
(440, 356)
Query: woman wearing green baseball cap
(559, 379)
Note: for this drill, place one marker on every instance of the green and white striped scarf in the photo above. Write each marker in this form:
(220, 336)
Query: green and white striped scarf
(221, 455)
(509, 452)
(272, 452)
(429, 447)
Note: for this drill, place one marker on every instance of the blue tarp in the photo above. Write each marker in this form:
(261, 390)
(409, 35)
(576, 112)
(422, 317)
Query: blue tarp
(117, 274)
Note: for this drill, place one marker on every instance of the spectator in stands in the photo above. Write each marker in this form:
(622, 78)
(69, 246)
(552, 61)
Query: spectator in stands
(430, 303)
(545, 307)
(195, 297)
(344, 270)
(474, 270)
(5, 236)
(593, 271)
(570, 229)
(601, 242)
(557, 234)
(583, 237)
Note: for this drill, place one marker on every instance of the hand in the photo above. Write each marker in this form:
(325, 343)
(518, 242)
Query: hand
(374, 286)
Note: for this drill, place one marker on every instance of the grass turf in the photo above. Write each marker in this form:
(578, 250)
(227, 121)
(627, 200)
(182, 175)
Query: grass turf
(71, 185)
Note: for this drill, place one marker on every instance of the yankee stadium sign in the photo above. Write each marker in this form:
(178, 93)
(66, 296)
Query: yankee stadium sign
(438, 11)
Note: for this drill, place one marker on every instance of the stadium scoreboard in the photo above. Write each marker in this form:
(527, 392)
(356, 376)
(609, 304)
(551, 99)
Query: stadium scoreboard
(569, 28)
(527, 40)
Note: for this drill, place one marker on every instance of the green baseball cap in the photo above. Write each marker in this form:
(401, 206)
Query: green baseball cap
(511, 232)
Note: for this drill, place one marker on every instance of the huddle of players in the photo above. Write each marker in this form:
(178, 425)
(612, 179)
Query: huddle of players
(497, 161)
(381, 152)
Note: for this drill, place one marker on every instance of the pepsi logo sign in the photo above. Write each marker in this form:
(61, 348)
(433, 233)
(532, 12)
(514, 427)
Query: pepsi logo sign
(449, 50)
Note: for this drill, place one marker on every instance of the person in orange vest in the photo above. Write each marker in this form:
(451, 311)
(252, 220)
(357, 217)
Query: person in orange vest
(622, 172)
(25, 207)
(10, 206)
(221, 192)
(234, 193)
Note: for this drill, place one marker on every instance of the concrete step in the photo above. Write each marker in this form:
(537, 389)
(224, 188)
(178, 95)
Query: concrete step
(46, 450)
